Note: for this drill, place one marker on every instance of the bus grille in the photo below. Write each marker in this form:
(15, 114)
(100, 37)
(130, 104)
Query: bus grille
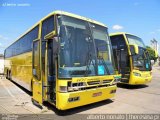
(106, 81)
(99, 82)
(94, 82)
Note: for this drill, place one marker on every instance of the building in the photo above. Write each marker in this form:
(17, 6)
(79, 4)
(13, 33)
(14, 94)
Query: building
(1, 64)
(155, 45)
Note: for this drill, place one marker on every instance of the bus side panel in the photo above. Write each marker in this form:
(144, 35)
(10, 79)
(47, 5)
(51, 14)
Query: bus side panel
(21, 69)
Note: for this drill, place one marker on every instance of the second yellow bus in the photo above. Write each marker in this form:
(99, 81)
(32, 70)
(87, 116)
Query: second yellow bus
(131, 58)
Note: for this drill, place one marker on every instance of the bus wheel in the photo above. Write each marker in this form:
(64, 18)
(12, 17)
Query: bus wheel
(7, 74)
(32, 87)
(10, 75)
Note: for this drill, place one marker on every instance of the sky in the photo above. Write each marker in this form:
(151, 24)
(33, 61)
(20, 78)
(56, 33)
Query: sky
(139, 17)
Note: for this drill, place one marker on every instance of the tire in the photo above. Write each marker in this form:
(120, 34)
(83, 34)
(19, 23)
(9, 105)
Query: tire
(7, 74)
(32, 87)
(10, 75)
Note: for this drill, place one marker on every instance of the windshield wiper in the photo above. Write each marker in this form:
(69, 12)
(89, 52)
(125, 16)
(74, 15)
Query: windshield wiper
(89, 59)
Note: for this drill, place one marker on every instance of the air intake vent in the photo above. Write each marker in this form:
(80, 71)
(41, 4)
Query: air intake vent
(94, 82)
(106, 81)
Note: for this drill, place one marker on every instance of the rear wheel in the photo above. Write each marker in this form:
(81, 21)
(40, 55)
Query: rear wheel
(10, 75)
(32, 87)
(7, 74)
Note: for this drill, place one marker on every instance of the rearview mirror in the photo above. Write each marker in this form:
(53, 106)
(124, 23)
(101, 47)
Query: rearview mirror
(156, 54)
(50, 35)
(134, 49)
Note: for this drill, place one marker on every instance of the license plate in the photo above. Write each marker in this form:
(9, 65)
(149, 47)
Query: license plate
(97, 94)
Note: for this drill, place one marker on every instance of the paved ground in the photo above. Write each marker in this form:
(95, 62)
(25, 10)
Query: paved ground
(137, 99)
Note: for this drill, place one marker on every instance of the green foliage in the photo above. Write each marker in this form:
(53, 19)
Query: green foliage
(152, 53)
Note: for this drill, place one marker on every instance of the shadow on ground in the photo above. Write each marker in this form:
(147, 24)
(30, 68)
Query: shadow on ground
(126, 86)
(78, 109)
(70, 111)
(22, 88)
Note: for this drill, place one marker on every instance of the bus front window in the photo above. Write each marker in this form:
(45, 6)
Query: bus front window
(78, 55)
(103, 47)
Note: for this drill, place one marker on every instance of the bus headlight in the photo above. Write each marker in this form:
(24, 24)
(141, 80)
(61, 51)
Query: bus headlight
(76, 86)
(63, 88)
(136, 74)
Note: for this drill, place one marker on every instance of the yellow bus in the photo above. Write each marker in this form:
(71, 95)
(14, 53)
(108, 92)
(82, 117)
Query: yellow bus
(64, 59)
(132, 59)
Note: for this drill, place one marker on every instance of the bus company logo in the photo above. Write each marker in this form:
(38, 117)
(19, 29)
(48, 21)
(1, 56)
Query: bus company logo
(82, 80)
(87, 79)
(93, 79)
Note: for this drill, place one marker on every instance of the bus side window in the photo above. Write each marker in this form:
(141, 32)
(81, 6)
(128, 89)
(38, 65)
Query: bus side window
(36, 60)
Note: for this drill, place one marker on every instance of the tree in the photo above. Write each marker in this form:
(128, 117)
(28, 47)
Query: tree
(152, 53)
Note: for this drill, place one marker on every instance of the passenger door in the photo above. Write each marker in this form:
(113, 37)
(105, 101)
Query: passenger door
(36, 83)
(120, 53)
(48, 28)
(51, 66)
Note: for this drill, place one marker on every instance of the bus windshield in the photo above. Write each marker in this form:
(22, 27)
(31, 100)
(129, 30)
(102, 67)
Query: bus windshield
(140, 61)
(135, 40)
(84, 49)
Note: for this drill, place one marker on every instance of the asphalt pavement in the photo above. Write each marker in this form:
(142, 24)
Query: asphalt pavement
(143, 99)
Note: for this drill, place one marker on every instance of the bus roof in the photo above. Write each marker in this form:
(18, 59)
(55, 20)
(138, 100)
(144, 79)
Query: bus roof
(61, 13)
(75, 16)
(121, 33)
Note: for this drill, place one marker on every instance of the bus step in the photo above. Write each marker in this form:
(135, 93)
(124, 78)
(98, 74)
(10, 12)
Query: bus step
(127, 76)
(124, 79)
(127, 72)
(36, 103)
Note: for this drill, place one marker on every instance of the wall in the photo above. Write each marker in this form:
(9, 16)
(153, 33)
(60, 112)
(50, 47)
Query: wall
(1, 65)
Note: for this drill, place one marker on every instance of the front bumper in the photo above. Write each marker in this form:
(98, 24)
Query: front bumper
(85, 97)
(139, 80)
